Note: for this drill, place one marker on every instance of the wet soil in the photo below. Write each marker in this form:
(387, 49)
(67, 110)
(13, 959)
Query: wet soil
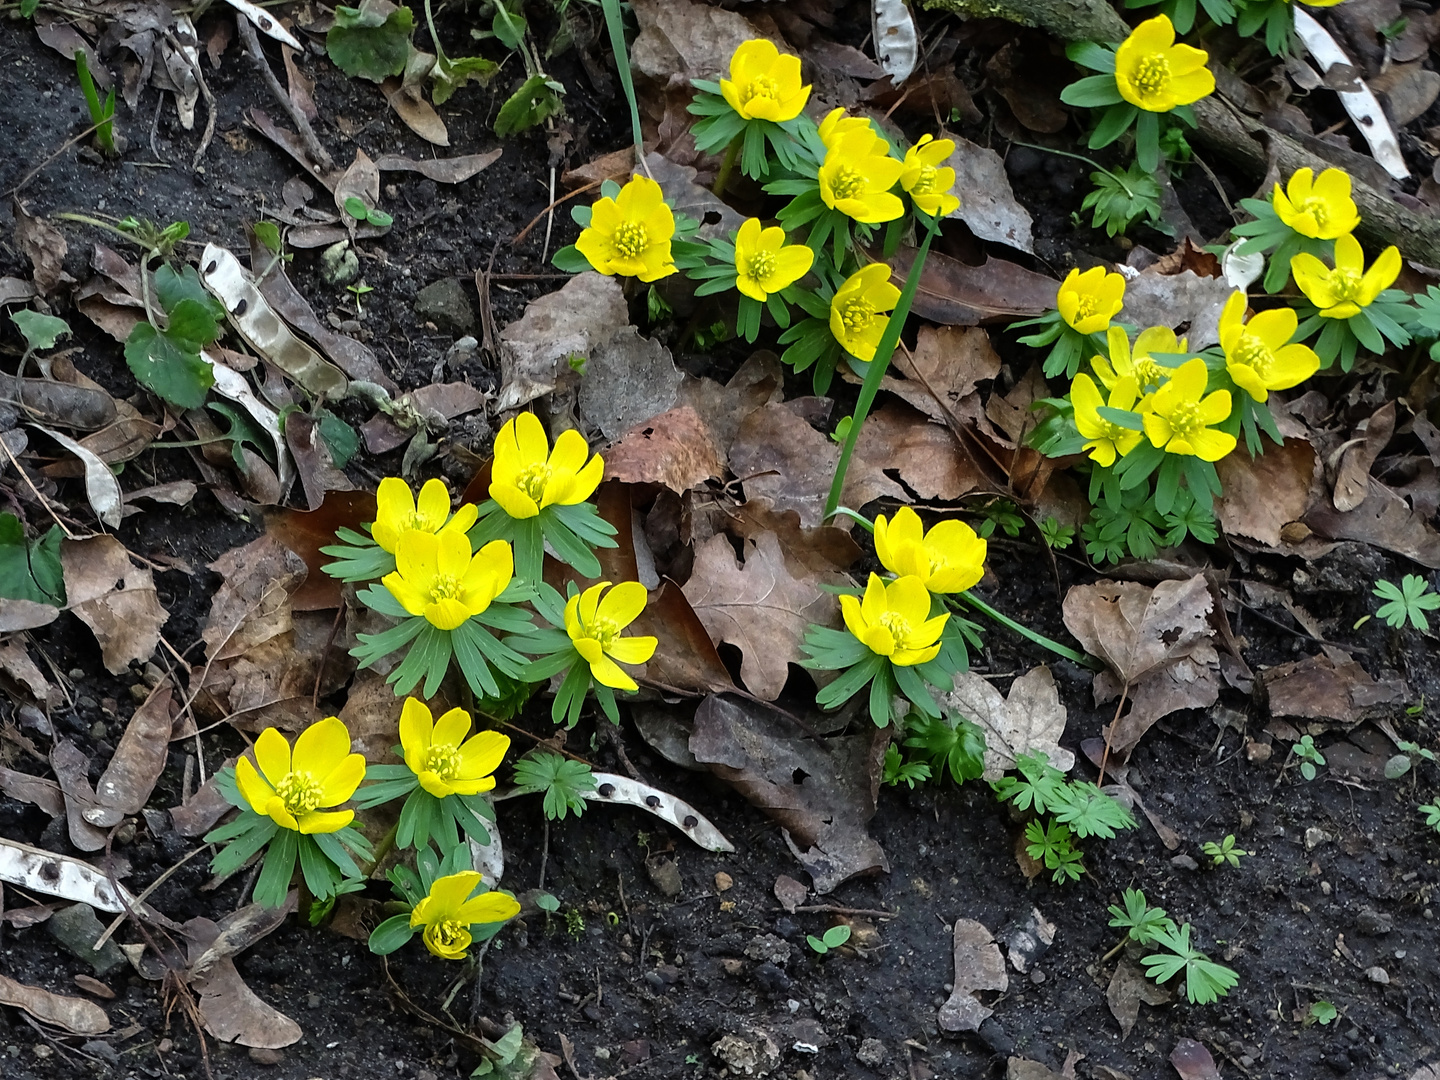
(1336, 902)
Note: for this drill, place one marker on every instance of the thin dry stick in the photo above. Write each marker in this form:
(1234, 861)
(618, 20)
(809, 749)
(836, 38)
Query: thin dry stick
(41, 167)
(194, 65)
(31, 485)
(317, 152)
(1110, 734)
(140, 899)
(549, 219)
(551, 209)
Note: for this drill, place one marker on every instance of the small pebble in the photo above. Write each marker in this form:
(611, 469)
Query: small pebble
(263, 1056)
(1184, 862)
(1037, 976)
(1378, 974)
(1315, 836)
(723, 882)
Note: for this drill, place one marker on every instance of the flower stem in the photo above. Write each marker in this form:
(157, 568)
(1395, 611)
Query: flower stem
(1025, 632)
(727, 165)
(386, 845)
(876, 371)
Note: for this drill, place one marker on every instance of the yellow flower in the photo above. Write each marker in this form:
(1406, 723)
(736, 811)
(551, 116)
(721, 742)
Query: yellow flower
(290, 790)
(837, 125)
(1180, 414)
(448, 912)
(527, 476)
(894, 620)
(439, 578)
(764, 83)
(857, 177)
(950, 558)
(856, 317)
(630, 234)
(1258, 354)
(397, 511)
(1155, 74)
(445, 761)
(594, 625)
(1088, 301)
(763, 264)
(1320, 207)
(1136, 361)
(1342, 292)
(1106, 440)
(928, 179)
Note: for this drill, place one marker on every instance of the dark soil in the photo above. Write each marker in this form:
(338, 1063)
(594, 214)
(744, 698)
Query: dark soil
(1341, 881)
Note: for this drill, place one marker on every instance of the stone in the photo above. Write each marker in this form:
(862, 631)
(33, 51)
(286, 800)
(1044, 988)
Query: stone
(723, 882)
(339, 265)
(748, 1053)
(1315, 836)
(769, 947)
(872, 1054)
(263, 1056)
(447, 305)
(1373, 923)
(1378, 975)
(77, 928)
(1184, 862)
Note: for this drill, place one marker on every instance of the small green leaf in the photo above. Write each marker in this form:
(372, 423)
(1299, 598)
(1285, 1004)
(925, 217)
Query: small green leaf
(380, 219)
(178, 375)
(532, 104)
(837, 936)
(356, 208)
(40, 331)
(371, 41)
(268, 233)
(192, 325)
(30, 570)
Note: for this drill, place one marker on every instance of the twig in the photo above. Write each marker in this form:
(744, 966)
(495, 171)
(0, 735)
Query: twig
(1110, 734)
(872, 913)
(549, 219)
(551, 209)
(317, 152)
(145, 893)
(31, 485)
(544, 852)
(194, 65)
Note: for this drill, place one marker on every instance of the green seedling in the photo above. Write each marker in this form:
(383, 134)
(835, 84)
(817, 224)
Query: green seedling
(547, 902)
(102, 116)
(1057, 536)
(833, 939)
(1077, 809)
(30, 569)
(1223, 852)
(1309, 755)
(1323, 1013)
(356, 208)
(1120, 199)
(574, 923)
(563, 782)
(1408, 600)
(898, 771)
(951, 743)
(1205, 980)
(1052, 845)
(1400, 764)
(358, 290)
(1137, 918)
(1432, 815)
(1001, 512)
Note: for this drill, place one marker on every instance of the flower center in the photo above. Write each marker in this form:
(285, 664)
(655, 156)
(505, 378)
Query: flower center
(761, 87)
(1149, 372)
(1318, 209)
(1087, 306)
(448, 934)
(925, 184)
(847, 182)
(1253, 353)
(1346, 284)
(631, 239)
(443, 761)
(1185, 420)
(762, 266)
(605, 631)
(897, 624)
(532, 480)
(857, 313)
(444, 587)
(1152, 75)
(299, 791)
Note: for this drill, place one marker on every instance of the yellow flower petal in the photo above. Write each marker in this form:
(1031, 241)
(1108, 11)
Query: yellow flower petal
(272, 754)
(451, 729)
(321, 747)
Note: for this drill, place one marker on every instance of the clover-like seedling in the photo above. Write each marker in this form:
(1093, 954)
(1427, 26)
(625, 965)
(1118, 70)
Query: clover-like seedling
(1408, 600)
(833, 939)
(1205, 980)
(1224, 852)
(1309, 755)
(1323, 1013)
(563, 782)
(1141, 922)
(1432, 815)
(356, 208)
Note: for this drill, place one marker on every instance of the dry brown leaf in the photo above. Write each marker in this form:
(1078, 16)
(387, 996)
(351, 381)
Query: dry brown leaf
(45, 247)
(1385, 520)
(629, 379)
(75, 1015)
(1128, 988)
(535, 349)
(685, 657)
(1191, 681)
(759, 380)
(128, 780)
(318, 474)
(305, 533)
(898, 453)
(1352, 478)
(1329, 686)
(360, 181)
(978, 966)
(954, 293)
(372, 716)
(779, 457)
(675, 449)
(232, 1012)
(35, 790)
(1187, 301)
(1012, 413)
(20, 675)
(947, 364)
(1261, 495)
(682, 40)
(989, 206)
(761, 608)
(821, 550)
(1031, 719)
(72, 771)
(822, 792)
(451, 170)
(1193, 1062)
(116, 599)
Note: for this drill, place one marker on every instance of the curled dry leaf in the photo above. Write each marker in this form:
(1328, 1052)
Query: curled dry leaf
(305, 533)
(987, 204)
(575, 321)
(451, 170)
(35, 790)
(116, 599)
(1030, 720)
(685, 658)
(1383, 519)
(102, 489)
(1329, 686)
(612, 788)
(72, 770)
(954, 293)
(1190, 1058)
(25, 615)
(231, 384)
(361, 180)
(675, 449)
(488, 859)
(419, 116)
(1128, 988)
(824, 812)
(45, 872)
(318, 474)
(45, 247)
(1185, 301)
(84, 408)
(759, 607)
(128, 780)
(1352, 478)
(978, 966)
(75, 1015)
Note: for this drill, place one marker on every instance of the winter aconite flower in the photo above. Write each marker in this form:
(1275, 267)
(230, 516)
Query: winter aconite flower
(528, 476)
(1318, 207)
(1105, 439)
(630, 234)
(928, 179)
(438, 576)
(397, 511)
(439, 754)
(293, 789)
(764, 83)
(1155, 74)
(1180, 415)
(763, 262)
(857, 310)
(1136, 361)
(950, 558)
(1258, 354)
(857, 176)
(448, 912)
(1088, 301)
(594, 622)
(1343, 291)
(837, 125)
(894, 620)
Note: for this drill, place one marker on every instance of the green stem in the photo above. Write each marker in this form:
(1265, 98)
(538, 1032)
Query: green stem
(386, 845)
(440, 56)
(1025, 632)
(731, 153)
(878, 366)
(616, 26)
(1077, 157)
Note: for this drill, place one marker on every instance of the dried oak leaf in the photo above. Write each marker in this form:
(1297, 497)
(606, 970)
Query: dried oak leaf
(113, 597)
(535, 349)
(1383, 519)
(675, 449)
(821, 550)
(1031, 719)
(822, 791)
(1352, 477)
(45, 247)
(759, 380)
(945, 367)
(684, 40)
(760, 607)
(978, 966)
